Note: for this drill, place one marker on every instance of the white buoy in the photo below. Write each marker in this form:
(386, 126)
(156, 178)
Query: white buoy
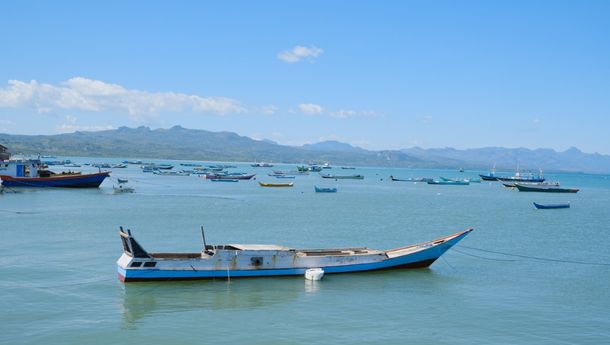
(314, 274)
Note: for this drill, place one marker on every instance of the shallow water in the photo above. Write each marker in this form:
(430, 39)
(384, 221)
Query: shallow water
(59, 247)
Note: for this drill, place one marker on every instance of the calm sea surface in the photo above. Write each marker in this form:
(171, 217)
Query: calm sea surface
(59, 284)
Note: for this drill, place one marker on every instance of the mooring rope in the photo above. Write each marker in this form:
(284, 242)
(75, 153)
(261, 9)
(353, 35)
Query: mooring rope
(482, 257)
(538, 258)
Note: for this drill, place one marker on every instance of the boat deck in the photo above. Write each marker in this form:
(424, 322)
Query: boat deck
(338, 252)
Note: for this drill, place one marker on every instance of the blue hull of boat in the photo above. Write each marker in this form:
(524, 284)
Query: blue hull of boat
(325, 190)
(76, 181)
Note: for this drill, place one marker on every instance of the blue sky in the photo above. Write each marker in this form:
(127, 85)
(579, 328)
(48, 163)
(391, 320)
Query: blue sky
(379, 75)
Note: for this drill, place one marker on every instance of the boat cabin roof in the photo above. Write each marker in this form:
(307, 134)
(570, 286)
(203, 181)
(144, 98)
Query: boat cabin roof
(259, 247)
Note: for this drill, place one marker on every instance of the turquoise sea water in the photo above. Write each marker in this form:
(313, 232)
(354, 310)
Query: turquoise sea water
(59, 283)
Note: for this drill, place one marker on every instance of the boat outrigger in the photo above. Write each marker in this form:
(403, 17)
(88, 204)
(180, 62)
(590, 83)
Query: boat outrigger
(259, 260)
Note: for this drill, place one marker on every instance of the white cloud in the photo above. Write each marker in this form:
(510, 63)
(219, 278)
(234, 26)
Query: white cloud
(269, 109)
(344, 113)
(536, 121)
(70, 126)
(315, 109)
(310, 108)
(71, 119)
(426, 120)
(96, 96)
(298, 53)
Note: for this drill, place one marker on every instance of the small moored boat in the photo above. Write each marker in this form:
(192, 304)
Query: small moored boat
(325, 189)
(260, 260)
(450, 183)
(343, 177)
(411, 179)
(551, 206)
(263, 184)
(229, 177)
(224, 180)
(545, 189)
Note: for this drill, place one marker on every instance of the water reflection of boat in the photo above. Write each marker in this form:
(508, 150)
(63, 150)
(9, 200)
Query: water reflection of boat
(145, 300)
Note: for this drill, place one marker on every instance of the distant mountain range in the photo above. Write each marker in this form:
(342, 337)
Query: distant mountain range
(181, 143)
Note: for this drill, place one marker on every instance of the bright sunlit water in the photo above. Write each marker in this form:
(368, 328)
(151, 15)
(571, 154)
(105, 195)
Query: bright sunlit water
(59, 246)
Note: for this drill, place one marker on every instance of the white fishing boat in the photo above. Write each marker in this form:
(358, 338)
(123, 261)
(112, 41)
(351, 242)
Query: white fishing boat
(263, 260)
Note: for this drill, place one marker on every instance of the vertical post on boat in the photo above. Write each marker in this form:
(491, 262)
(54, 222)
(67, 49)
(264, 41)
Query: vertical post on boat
(203, 237)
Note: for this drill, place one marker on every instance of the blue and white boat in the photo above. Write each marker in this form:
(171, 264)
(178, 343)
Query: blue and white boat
(262, 260)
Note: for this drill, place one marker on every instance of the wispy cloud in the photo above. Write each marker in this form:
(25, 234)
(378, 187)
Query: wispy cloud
(299, 53)
(70, 125)
(426, 120)
(315, 109)
(82, 94)
(310, 108)
(269, 109)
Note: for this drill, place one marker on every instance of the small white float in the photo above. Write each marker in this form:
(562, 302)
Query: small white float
(314, 274)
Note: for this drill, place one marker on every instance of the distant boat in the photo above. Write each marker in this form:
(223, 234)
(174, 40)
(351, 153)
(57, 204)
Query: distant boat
(153, 166)
(343, 177)
(72, 165)
(450, 183)
(545, 189)
(222, 166)
(263, 184)
(491, 176)
(313, 168)
(411, 179)
(261, 165)
(119, 166)
(325, 189)
(284, 176)
(471, 180)
(224, 180)
(348, 168)
(551, 206)
(230, 177)
(260, 260)
(101, 165)
(461, 170)
(518, 177)
(122, 189)
(512, 184)
(120, 180)
(170, 173)
(289, 172)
